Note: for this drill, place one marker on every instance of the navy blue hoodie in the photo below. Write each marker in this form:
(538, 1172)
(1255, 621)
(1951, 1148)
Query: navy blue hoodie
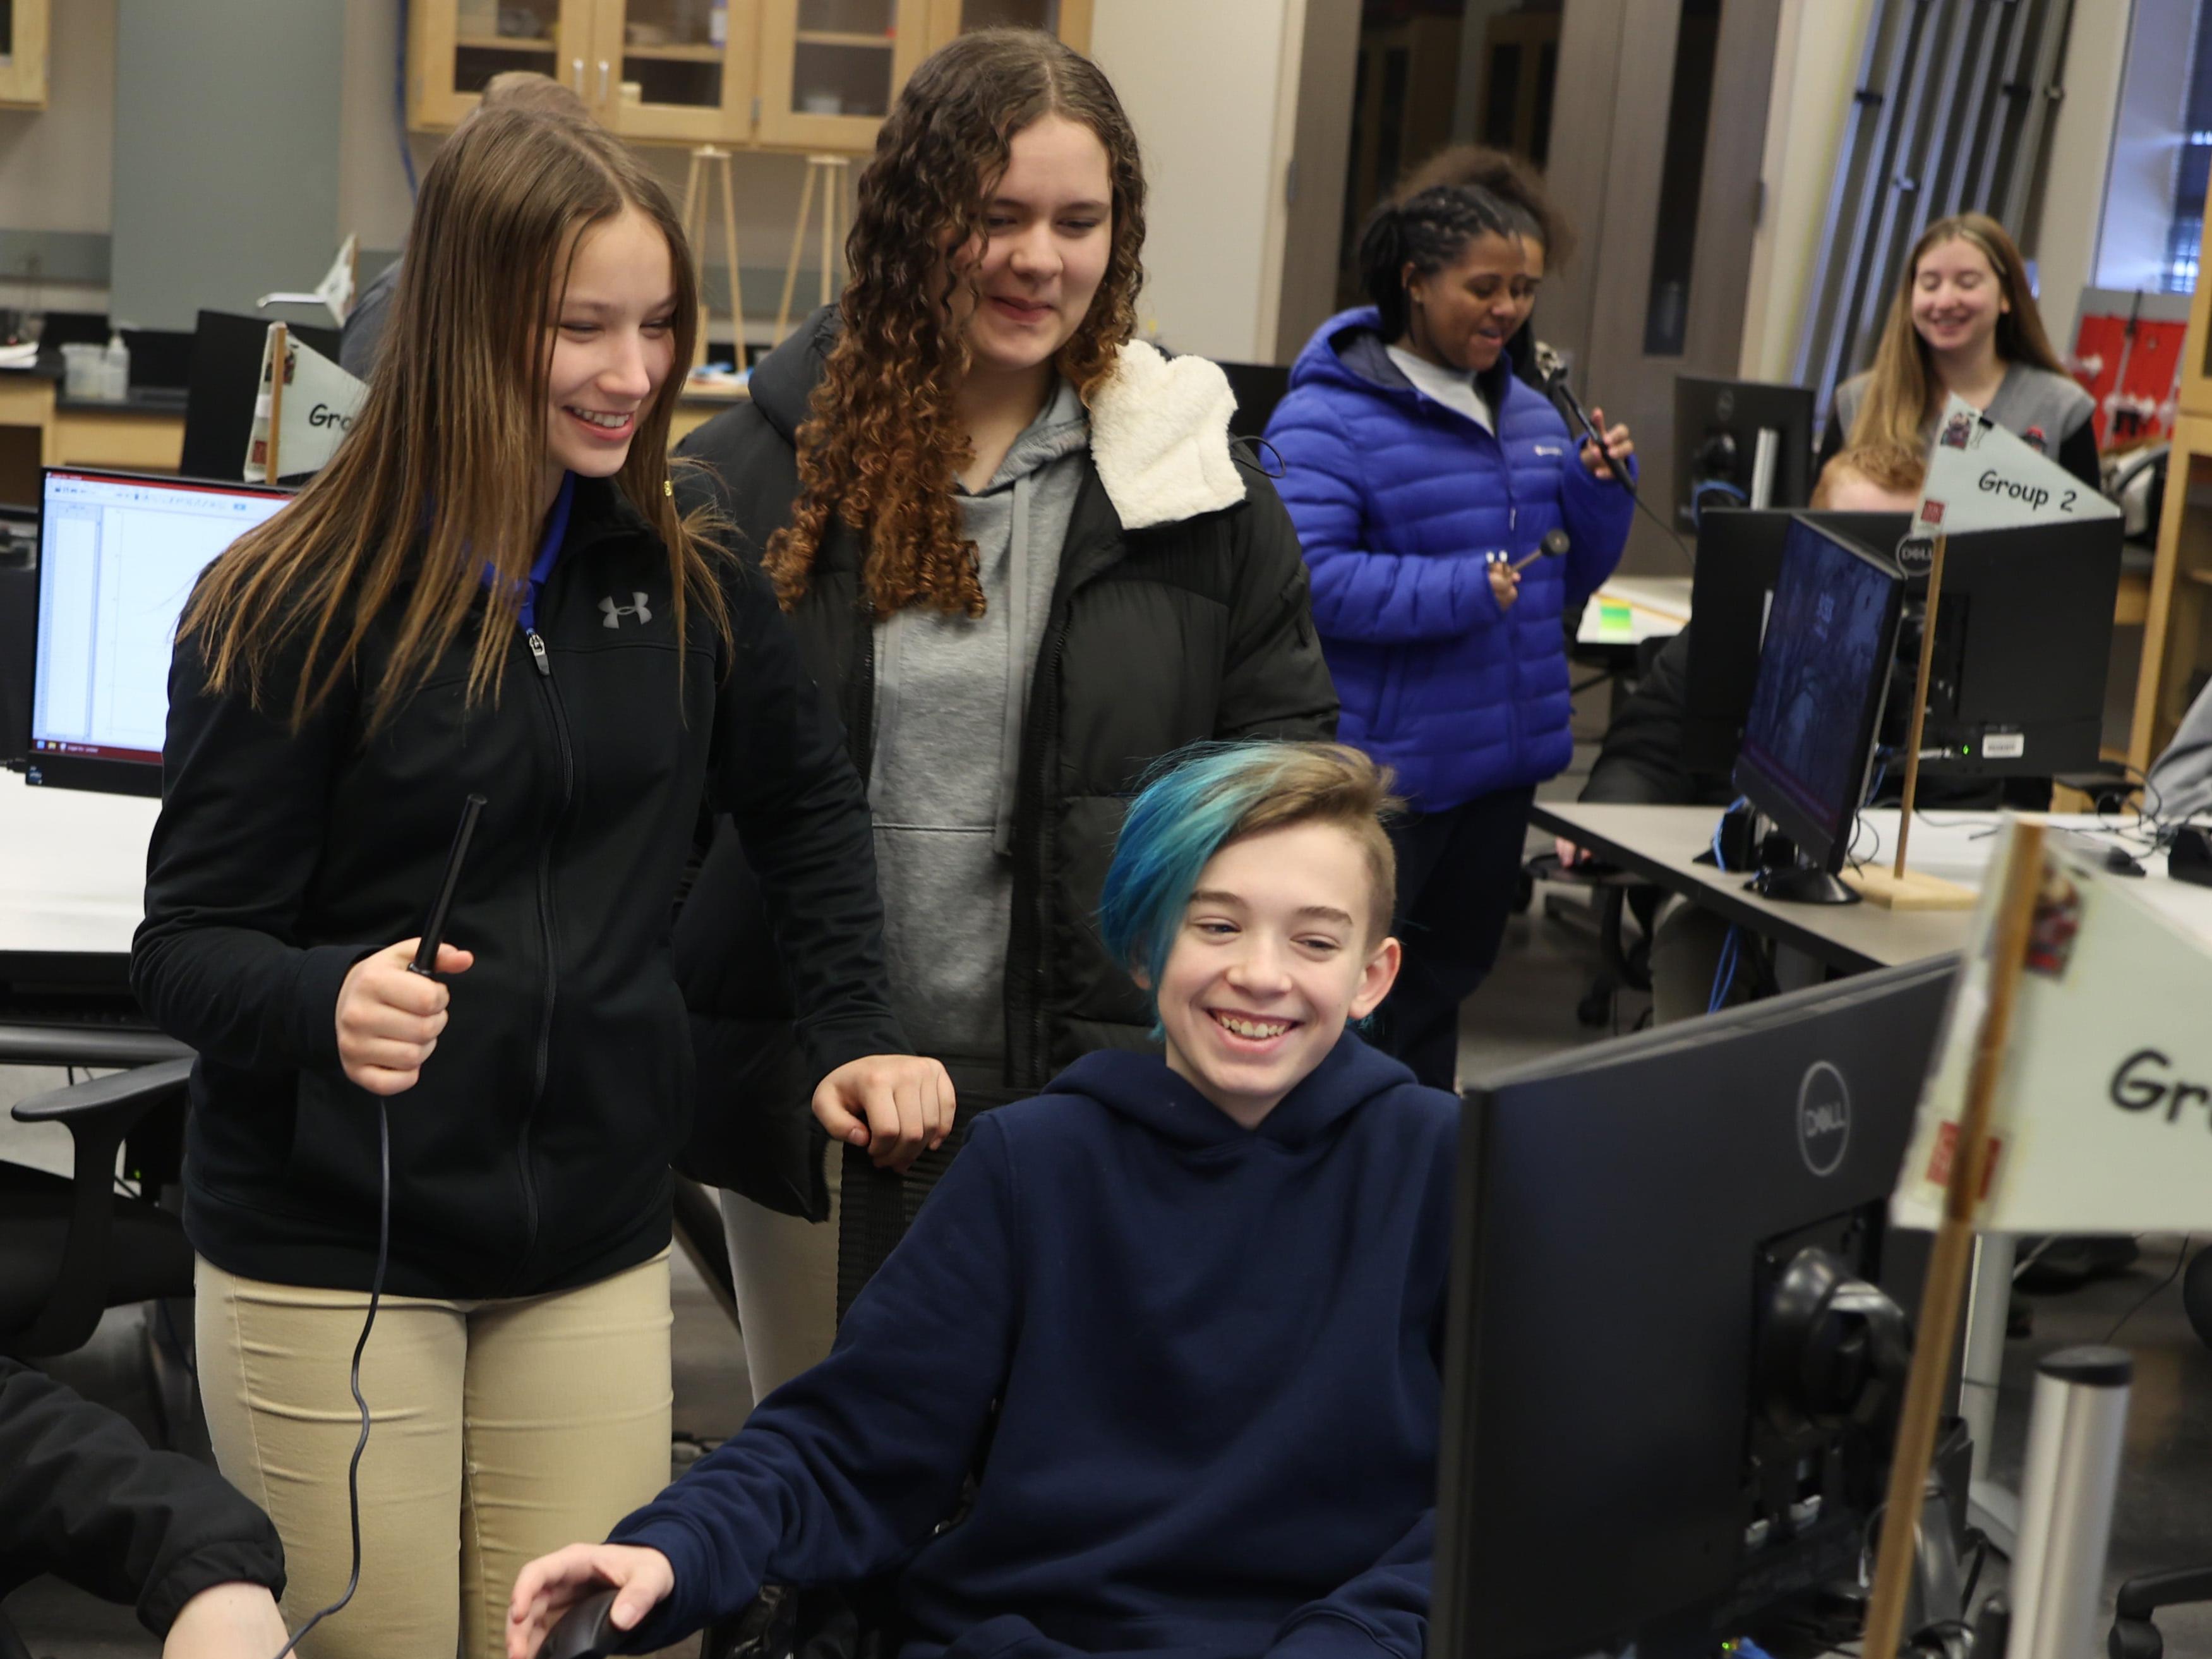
(1216, 1356)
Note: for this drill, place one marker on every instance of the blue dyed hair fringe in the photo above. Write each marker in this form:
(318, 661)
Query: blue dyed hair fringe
(1190, 802)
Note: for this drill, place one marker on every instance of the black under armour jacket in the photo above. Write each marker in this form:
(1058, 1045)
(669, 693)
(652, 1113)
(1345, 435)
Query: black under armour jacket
(1180, 613)
(533, 1153)
(82, 1496)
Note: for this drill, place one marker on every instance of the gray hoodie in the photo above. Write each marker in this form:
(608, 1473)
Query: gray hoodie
(950, 694)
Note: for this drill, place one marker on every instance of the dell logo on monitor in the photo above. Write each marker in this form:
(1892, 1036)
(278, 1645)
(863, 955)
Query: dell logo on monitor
(1824, 1118)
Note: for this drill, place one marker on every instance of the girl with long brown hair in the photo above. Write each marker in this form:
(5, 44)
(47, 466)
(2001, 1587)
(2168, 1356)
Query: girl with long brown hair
(1018, 548)
(489, 591)
(1963, 322)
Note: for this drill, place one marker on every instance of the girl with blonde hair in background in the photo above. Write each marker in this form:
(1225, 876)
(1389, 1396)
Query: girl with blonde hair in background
(1964, 323)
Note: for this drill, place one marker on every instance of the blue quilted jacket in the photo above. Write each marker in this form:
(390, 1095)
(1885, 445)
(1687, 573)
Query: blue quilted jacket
(1397, 501)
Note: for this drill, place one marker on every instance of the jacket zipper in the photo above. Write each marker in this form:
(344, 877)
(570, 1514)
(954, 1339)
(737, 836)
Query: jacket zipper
(1025, 1065)
(545, 929)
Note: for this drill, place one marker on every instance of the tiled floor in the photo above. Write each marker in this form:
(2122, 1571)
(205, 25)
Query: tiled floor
(1526, 1010)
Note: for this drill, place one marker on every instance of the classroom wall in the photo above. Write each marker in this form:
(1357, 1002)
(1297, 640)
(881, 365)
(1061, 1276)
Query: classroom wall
(1204, 86)
(226, 157)
(1213, 91)
(1817, 49)
(56, 169)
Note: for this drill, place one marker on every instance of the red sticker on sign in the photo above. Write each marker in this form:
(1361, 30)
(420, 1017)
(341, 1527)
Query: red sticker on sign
(1946, 1148)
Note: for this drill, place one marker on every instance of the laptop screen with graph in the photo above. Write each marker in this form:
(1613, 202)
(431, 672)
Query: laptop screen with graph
(117, 557)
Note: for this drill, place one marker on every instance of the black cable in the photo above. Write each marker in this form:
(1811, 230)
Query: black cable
(375, 1295)
(1981, 1548)
(2146, 1298)
(169, 1324)
(1620, 469)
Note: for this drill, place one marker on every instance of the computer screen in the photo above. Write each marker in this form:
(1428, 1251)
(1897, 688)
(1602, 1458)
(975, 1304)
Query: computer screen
(1743, 443)
(1739, 553)
(1823, 673)
(2023, 643)
(1634, 1444)
(118, 556)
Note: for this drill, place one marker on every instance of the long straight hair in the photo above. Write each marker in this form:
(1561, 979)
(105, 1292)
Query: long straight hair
(1901, 393)
(437, 484)
(884, 439)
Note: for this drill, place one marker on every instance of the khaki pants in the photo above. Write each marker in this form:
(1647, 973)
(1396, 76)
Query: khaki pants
(786, 1277)
(502, 1430)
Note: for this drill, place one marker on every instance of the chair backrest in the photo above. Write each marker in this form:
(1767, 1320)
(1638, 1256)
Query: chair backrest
(878, 1206)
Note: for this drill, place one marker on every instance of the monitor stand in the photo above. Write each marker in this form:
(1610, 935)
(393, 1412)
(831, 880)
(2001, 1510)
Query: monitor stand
(1800, 883)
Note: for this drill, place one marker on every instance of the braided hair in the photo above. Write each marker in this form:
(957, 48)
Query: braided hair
(1428, 230)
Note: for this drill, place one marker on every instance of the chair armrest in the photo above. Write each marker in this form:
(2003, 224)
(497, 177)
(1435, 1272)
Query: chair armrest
(97, 1114)
(107, 1102)
(83, 1045)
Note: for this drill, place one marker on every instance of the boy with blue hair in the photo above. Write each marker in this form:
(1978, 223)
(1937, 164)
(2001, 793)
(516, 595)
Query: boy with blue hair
(1204, 1292)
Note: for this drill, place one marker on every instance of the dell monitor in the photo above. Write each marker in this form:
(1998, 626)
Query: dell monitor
(1816, 705)
(2023, 641)
(1741, 443)
(117, 557)
(1675, 1340)
(1739, 551)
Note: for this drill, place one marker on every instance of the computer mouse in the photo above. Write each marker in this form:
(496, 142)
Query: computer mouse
(2189, 856)
(2120, 863)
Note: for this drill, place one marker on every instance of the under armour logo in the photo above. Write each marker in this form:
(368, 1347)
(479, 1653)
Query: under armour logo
(614, 613)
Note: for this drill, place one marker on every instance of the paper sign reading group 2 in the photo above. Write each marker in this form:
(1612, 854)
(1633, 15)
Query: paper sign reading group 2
(1980, 476)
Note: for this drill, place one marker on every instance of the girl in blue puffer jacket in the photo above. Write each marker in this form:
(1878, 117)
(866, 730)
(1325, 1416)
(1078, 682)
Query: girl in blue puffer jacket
(1420, 473)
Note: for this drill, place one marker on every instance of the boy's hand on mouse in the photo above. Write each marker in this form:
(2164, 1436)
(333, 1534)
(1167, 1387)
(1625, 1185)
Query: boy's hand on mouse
(388, 1018)
(550, 1585)
(897, 1106)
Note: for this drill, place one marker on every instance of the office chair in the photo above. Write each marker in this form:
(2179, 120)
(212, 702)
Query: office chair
(71, 1248)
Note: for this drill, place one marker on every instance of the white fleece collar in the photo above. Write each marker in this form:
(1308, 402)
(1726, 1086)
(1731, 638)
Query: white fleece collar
(1159, 437)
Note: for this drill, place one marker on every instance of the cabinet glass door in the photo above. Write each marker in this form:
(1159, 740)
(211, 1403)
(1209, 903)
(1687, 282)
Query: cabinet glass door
(458, 45)
(832, 67)
(674, 69)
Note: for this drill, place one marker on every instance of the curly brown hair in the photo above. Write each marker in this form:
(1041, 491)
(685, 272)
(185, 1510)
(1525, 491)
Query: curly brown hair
(884, 439)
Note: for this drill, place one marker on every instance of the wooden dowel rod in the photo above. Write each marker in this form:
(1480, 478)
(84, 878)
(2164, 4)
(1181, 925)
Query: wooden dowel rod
(280, 348)
(1919, 707)
(1941, 1296)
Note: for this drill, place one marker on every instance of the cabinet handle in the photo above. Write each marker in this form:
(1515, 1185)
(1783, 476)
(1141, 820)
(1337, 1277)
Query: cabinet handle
(576, 68)
(603, 79)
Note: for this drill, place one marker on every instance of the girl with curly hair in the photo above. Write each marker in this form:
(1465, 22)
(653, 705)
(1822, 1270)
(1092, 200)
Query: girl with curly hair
(1019, 549)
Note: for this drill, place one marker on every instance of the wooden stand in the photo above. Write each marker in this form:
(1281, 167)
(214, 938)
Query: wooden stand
(1954, 1244)
(1899, 891)
(279, 348)
(697, 202)
(1910, 891)
(830, 170)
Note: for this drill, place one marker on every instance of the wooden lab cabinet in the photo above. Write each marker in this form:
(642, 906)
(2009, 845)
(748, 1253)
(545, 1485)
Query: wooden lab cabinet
(815, 75)
(23, 54)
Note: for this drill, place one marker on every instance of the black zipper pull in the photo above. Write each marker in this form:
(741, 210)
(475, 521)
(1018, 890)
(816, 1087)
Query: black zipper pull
(537, 652)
